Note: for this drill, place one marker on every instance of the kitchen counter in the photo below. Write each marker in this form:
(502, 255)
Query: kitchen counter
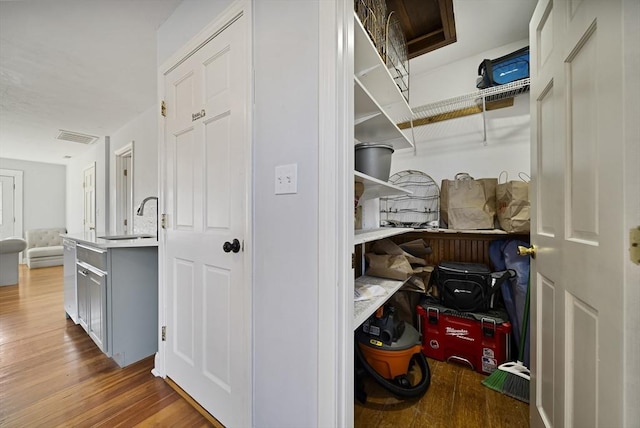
(114, 297)
(95, 240)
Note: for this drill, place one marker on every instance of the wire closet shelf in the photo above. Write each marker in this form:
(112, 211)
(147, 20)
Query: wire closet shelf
(464, 105)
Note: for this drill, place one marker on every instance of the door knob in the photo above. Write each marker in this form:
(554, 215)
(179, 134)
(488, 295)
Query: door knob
(234, 246)
(524, 251)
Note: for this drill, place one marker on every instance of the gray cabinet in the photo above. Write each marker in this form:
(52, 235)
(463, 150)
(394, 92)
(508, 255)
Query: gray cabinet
(92, 292)
(96, 299)
(83, 306)
(132, 304)
(92, 300)
(118, 300)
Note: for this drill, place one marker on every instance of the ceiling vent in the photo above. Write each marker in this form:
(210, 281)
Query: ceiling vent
(76, 137)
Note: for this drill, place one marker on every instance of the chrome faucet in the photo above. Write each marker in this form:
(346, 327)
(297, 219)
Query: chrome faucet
(140, 210)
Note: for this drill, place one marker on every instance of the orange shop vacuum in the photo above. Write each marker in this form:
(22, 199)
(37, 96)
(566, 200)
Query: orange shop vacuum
(387, 349)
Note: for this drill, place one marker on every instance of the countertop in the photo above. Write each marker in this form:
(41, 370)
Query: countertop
(90, 238)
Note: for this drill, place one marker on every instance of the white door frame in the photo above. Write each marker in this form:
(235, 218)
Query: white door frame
(208, 33)
(18, 198)
(335, 306)
(335, 218)
(631, 133)
(92, 165)
(18, 202)
(124, 188)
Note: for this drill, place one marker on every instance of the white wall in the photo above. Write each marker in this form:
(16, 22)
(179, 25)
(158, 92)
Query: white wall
(285, 328)
(448, 147)
(187, 20)
(285, 238)
(143, 131)
(285, 226)
(44, 193)
(75, 193)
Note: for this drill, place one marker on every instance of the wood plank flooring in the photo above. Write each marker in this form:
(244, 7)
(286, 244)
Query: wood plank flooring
(455, 398)
(53, 375)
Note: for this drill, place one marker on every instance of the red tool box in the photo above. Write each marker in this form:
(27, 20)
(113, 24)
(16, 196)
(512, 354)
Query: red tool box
(479, 340)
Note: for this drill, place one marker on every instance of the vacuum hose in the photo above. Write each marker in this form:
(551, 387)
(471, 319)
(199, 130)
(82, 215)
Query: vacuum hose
(401, 387)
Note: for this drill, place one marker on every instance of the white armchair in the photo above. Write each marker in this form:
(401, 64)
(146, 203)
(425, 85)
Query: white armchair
(9, 250)
(44, 247)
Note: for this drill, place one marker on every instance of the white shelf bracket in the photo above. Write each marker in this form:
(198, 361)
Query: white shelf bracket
(484, 120)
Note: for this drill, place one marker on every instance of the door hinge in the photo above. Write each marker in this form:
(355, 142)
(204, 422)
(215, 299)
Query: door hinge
(125, 172)
(634, 245)
(163, 221)
(164, 333)
(125, 221)
(353, 260)
(163, 109)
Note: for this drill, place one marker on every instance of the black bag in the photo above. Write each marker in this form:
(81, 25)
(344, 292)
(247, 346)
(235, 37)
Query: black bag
(506, 69)
(468, 287)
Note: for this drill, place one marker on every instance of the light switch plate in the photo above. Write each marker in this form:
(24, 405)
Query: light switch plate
(286, 179)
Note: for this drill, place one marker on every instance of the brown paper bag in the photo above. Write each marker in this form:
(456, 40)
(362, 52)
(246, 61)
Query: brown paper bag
(417, 248)
(388, 266)
(513, 204)
(387, 246)
(405, 303)
(467, 203)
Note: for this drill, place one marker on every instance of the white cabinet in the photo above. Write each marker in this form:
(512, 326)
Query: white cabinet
(69, 272)
(377, 102)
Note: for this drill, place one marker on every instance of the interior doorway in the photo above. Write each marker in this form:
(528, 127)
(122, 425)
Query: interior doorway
(124, 189)
(89, 189)
(10, 203)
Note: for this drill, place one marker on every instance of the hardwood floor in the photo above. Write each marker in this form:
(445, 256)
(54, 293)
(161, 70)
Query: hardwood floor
(455, 398)
(52, 374)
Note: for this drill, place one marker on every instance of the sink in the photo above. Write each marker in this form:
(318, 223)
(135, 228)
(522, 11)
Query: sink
(125, 237)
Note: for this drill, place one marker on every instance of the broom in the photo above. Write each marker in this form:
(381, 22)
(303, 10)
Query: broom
(512, 378)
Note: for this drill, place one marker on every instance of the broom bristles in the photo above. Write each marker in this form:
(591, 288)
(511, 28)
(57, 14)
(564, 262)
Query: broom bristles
(495, 380)
(516, 387)
(511, 379)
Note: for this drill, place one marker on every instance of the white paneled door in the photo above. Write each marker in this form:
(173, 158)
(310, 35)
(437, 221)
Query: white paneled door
(577, 123)
(207, 189)
(89, 189)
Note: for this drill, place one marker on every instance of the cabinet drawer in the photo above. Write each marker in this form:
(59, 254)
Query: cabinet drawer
(93, 256)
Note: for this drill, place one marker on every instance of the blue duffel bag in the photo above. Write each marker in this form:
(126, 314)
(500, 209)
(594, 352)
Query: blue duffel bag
(506, 69)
